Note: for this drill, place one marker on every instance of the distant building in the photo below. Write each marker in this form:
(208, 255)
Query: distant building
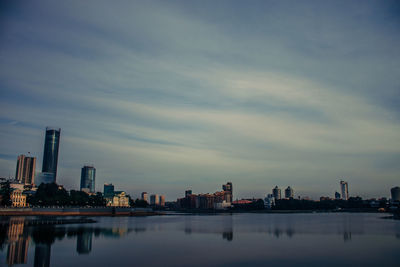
(145, 197)
(337, 195)
(162, 200)
(344, 187)
(120, 199)
(88, 178)
(44, 178)
(269, 201)
(108, 191)
(154, 200)
(188, 193)
(228, 192)
(276, 192)
(50, 153)
(395, 192)
(289, 193)
(17, 198)
(25, 171)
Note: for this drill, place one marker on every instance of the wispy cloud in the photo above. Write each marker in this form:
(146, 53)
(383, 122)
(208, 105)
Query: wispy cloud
(161, 96)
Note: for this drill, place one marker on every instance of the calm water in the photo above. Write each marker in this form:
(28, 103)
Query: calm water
(235, 240)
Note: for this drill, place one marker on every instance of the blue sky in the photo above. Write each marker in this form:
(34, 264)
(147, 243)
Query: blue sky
(161, 96)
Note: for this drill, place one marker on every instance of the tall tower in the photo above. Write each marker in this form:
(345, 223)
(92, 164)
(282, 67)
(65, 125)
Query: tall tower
(25, 171)
(344, 187)
(50, 154)
(88, 176)
(289, 193)
(276, 192)
(228, 192)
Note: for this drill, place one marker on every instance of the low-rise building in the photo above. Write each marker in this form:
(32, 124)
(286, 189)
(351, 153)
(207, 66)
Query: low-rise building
(120, 199)
(18, 199)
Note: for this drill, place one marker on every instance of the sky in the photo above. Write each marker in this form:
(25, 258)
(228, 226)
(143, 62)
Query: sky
(164, 96)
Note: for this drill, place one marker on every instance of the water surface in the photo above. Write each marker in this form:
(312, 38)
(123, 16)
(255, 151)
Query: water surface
(323, 239)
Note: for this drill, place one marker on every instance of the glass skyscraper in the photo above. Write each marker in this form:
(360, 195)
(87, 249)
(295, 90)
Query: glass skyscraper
(88, 176)
(50, 155)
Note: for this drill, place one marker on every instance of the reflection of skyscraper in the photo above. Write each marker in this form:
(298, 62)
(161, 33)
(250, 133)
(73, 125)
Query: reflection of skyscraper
(344, 187)
(25, 171)
(84, 242)
(50, 154)
(17, 251)
(276, 192)
(42, 255)
(88, 176)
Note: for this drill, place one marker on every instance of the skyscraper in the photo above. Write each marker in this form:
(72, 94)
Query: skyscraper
(289, 193)
(154, 200)
(145, 196)
(395, 191)
(50, 154)
(25, 172)
(276, 192)
(88, 176)
(162, 200)
(108, 190)
(228, 192)
(344, 187)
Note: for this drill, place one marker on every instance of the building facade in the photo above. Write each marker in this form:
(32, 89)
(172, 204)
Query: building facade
(276, 192)
(120, 199)
(289, 193)
(154, 200)
(162, 201)
(395, 192)
(50, 153)
(18, 199)
(88, 178)
(108, 191)
(344, 188)
(145, 197)
(25, 171)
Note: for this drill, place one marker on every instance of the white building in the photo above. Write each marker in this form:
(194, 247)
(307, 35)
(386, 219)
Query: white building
(344, 187)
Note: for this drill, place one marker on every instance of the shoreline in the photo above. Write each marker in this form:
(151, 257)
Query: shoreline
(77, 212)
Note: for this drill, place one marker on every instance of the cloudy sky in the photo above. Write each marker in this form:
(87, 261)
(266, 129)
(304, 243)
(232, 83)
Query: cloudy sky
(170, 95)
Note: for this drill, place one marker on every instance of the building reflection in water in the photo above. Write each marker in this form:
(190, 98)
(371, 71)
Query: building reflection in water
(42, 255)
(84, 243)
(16, 233)
(17, 250)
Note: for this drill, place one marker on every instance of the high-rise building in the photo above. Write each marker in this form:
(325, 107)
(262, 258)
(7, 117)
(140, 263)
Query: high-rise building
(145, 196)
(50, 153)
(344, 187)
(154, 200)
(108, 191)
(276, 192)
(162, 200)
(188, 193)
(395, 191)
(289, 193)
(88, 178)
(337, 195)
(228, 192)
(25, 172)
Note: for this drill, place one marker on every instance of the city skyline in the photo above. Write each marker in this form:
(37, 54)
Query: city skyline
(166, 96)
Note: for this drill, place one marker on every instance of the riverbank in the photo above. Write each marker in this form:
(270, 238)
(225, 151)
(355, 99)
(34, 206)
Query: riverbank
(101, 211)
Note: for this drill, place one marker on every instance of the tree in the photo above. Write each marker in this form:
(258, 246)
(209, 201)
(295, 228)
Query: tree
(5, 192)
